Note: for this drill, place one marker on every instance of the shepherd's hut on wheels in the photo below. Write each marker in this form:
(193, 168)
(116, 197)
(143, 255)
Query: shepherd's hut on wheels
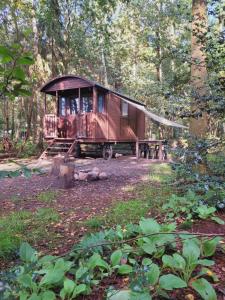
(87, 113)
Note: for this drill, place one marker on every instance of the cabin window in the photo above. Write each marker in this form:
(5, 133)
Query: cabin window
(87, 104)
(62, 106)
(101, 101)
(124, 109)
(74, 106)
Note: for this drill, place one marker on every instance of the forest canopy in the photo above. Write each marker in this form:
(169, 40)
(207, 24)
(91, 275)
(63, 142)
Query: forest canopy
(142, 48)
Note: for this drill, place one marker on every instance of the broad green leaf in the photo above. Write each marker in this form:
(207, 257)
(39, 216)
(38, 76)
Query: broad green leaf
(125, 269)
(217, 220)
(53, 276)
(206, 262)
(140, 296)
(25, 60)
(80, 272)
(149, 226)
(26, 281)
(69, 286)
(153, 274)
(146, 261)
(204, 288)
(23, 295)
(149, 248)
(118, 295)
(191, 251)
(81, 288)
(27, 253)
(174, 262)
(34, 296)
(5, 51)
(116, 257)
(209, 246)
(48, 295)
(170, 282)
(96, 261)
(19, 74)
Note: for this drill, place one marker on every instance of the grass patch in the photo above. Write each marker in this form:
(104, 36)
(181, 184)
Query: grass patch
(95, 222)
(47, 196)
(126, 212)
(25, 226)
(152, 195)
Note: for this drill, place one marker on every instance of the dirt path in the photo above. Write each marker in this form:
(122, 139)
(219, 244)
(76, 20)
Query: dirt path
(84, 198)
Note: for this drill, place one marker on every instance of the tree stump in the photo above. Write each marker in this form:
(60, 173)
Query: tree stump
(65, 178)
(57, 162)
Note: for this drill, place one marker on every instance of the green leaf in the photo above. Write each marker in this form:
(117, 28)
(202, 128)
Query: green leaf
(69, 286)
(146, 261)
(19, 74)
(149, 248)
(140, 296)
(48, 295)
(170, 282)
(53, 276)
(34, 296)
(206, 262)
(81, 288)
(96, 261)
(27, 253)
(149, 226)
(204, 288)
(116, 257)
(26, 281)
(191, 251)
(217, 220)
(23, 295)
(153, 274)
(25, 60)
(174, 262)
(125, 269)
(118, 295)
(80, 272)
(209, 246)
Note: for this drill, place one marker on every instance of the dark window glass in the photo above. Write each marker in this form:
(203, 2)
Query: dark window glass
(124, 109)
(101, 103)
(62, 106)
(87, 104)
(74, 105)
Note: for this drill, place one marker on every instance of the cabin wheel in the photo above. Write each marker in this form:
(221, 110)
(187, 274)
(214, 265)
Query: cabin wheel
(107, 152)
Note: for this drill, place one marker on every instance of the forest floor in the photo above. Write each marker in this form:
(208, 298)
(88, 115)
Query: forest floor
(76, 205)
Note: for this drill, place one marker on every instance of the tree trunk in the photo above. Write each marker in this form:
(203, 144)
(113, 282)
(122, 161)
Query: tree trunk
(198, 124)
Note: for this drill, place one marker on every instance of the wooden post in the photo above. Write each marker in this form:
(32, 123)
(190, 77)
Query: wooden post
(45, 105)
(160, 151)
(137, 149)
(81, 106)
(57, 103)
(95, 100)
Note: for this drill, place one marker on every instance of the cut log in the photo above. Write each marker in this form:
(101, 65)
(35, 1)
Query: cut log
(57, 162)
(66, 176)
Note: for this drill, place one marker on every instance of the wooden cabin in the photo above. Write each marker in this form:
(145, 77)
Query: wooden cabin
(87, 112)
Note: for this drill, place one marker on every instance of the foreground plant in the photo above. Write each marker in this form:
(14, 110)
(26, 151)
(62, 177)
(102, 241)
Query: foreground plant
(136, 251)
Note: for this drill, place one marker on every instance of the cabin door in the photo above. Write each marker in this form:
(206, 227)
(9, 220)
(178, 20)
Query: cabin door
(67, 118)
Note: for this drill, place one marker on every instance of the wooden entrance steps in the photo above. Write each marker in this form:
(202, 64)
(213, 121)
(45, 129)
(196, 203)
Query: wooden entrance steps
(63, 146)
